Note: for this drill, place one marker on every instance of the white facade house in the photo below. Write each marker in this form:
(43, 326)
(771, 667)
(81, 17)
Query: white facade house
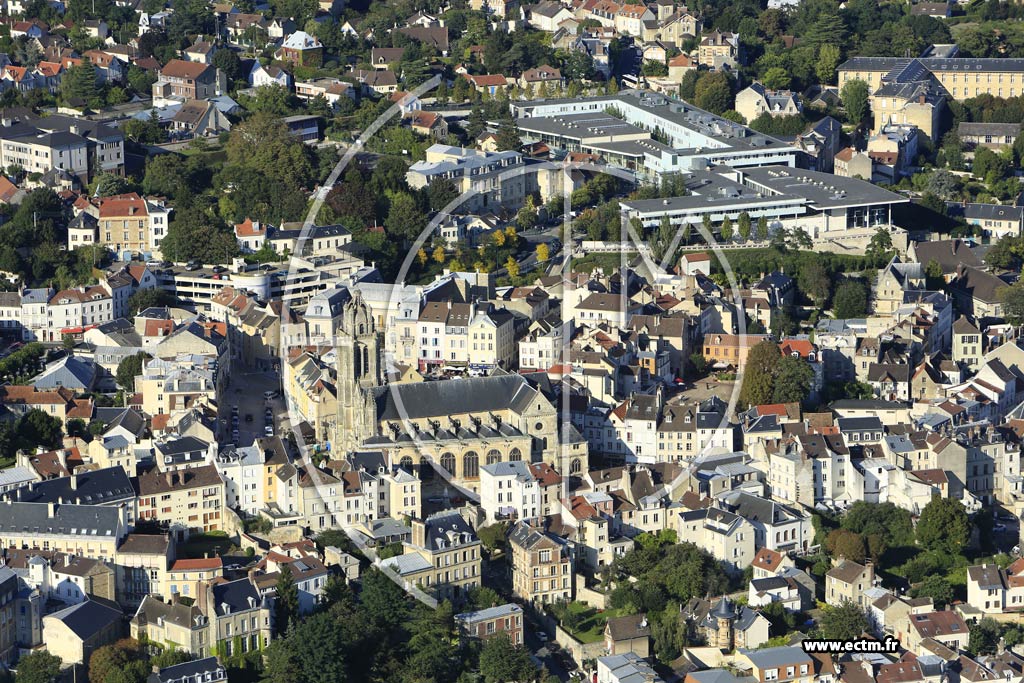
(508, 490)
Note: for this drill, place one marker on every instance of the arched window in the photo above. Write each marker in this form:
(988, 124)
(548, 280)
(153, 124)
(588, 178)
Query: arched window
(493, 456)
(426, 469)
(575, 467)
(470, 465)
(448, 464)
(406, 463)
(515, 455)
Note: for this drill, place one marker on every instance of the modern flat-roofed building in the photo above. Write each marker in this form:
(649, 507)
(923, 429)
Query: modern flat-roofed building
(690, 138)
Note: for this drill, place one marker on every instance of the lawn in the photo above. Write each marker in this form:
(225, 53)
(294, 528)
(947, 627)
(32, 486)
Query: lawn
(590, 627)
(209, 544)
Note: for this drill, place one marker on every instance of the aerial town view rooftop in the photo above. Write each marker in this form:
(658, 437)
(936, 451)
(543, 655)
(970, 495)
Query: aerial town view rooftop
(480, 341)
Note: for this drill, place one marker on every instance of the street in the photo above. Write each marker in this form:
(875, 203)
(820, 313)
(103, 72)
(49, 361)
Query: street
(246, 390)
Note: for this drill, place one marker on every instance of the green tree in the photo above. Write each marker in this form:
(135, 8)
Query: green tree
(316, 650)
(36, 428)
(286, 600)
(762, 229)
(1012, 298)
(743, 226)
(814, 282)
(845, 622)
(149, 298)
(38, 667)
(264, 144)
(501, 661)
(476, 122)
(984, 638)
(776, 78)
(119, 661)
(850, 300)
(854, 96)
(194, 235)
(229, 64)
(80, 83)
(713, 92)
(793, 380)
(880, 247)
(759, 374)
(847, 545)
(404, 217)
(935, 276)
(943, 526)
(508, 138)
(937, 588)
(725, 229)
(493, 536)
(828, 60)
(130, 368)
(384, 603)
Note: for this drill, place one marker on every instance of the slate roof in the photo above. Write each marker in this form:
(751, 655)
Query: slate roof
(94, 487)
(236, 595)
(477, 395)
(196, 670)
(88, 618)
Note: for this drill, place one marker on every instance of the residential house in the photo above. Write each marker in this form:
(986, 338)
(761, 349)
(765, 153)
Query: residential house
(542, 567)
(755, 100)
(498, 620)
(847, 581)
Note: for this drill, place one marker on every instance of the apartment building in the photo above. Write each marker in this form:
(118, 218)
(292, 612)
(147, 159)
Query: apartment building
(131, 225)
(501, 180)
(542, 567)
(239, 617)
(508, 490)
(80, 147)
(92, 531)
(442, 558)
(188, 500)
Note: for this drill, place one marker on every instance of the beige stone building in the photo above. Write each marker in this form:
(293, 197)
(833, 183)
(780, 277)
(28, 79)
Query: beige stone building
(542, 570)
(173, 624)
(718, 49)
(442, 558)
(847, 581)
(75, 632)
(92, 531)
(755, 100)
(140, 567)
(188, 500)
(240, 618)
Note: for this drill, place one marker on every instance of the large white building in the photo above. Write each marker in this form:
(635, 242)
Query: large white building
(509, 490)
(621, 129)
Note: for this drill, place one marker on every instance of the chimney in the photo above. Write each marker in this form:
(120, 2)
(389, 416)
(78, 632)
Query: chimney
(74, 482)
(169, 477)
(419, 533)
(51, 509)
